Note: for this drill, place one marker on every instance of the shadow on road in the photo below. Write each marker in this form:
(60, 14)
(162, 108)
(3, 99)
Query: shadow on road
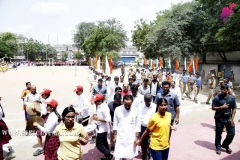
(205, 144)
(208, 125)
(92, 154)
(233, 156)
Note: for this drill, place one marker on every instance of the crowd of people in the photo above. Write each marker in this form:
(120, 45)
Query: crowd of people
(135, 110)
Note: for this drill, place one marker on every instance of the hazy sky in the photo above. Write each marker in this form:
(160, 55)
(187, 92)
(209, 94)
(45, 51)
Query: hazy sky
(58, 18)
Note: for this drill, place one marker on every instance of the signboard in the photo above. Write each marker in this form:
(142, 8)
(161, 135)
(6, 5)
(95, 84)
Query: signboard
(19, 57)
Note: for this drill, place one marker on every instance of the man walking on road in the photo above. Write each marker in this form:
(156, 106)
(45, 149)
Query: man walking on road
(225, 107)
(173, 101)
(126, 127)
(212, 87)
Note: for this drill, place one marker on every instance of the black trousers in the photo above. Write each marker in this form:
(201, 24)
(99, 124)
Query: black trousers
(102, 144)
(218, 134)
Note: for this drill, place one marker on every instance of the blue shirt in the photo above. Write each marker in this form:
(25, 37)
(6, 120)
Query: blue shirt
(97, 90)
(198, 82)
(191, 79)
(185, 79)
(172, 100)
(219, 101)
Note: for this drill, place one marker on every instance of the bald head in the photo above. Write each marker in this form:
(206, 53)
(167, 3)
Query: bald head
(33, 89)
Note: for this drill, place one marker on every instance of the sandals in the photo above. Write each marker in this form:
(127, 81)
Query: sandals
(38, 152)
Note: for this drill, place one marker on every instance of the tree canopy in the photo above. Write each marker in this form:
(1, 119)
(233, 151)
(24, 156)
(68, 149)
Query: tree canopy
(106, 37)
(18, 45)
(191, 28)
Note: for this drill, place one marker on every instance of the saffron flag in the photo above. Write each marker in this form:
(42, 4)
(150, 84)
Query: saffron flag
(98, 64)
(196, 64)
(161, 63)
(152, 64)
(190, 67)
(111, 64)
(145, 62)
(177, 65)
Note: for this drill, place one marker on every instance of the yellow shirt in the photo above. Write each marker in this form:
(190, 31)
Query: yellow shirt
(70, 147)
(24, 93)
(159, 127)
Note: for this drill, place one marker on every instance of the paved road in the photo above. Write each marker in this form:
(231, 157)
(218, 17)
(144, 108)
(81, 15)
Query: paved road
(193, 140)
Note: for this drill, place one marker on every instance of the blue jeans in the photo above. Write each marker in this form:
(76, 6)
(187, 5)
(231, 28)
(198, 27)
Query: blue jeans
(159, 154)
(218, 134)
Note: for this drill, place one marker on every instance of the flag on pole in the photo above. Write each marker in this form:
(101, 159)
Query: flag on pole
(152, 64)
(196, 64)
(145, 62)
(185, 63)
(103, 67)
(161, 63)
(107, 70)
(111, 64)
(193, 66)
(177, 65)
(156, 62)
(98, 64)
(190, 67)
(169, 63)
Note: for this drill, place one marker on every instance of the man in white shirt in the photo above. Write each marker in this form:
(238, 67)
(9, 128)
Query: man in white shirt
(126, 127)
(147, 109)
(137, 97)
(82, 106)
(102, 119)
(33, 96)
(144, 88)
(116, 84)
(175, 89)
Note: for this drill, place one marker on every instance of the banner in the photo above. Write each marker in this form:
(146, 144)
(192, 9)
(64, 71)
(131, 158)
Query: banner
(107, 67)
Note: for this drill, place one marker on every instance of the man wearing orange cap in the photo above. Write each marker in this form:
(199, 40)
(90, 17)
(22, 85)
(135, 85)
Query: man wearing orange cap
(82, 107)
(102, 119)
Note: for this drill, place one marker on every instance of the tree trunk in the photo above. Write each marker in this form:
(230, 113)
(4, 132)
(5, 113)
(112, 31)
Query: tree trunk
(222, 55)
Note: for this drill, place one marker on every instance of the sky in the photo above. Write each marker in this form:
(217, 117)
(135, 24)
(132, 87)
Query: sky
(54, 21)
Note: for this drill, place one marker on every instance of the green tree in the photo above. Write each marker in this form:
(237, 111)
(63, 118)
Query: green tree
(141, 29)
(108, 36)
(9, 44)
(78, 55)
(83, 31)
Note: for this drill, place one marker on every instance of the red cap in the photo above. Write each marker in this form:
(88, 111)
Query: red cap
(46, 91)
(52, 102)
(79, 88)
(98, 97)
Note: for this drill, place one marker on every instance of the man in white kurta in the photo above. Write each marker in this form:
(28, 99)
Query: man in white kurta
(126, 127)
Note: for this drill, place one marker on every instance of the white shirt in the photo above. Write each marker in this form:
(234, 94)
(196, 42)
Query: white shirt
(177, 91)
(104, 113)
(146, 112)
(1, 113)
(142, 90)
(154, 88)
(138, 76)
(82, 106)
(43, 107)
(126, 123)
(50, 125)
(31, 98)
(113, 86)
(139, 98)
